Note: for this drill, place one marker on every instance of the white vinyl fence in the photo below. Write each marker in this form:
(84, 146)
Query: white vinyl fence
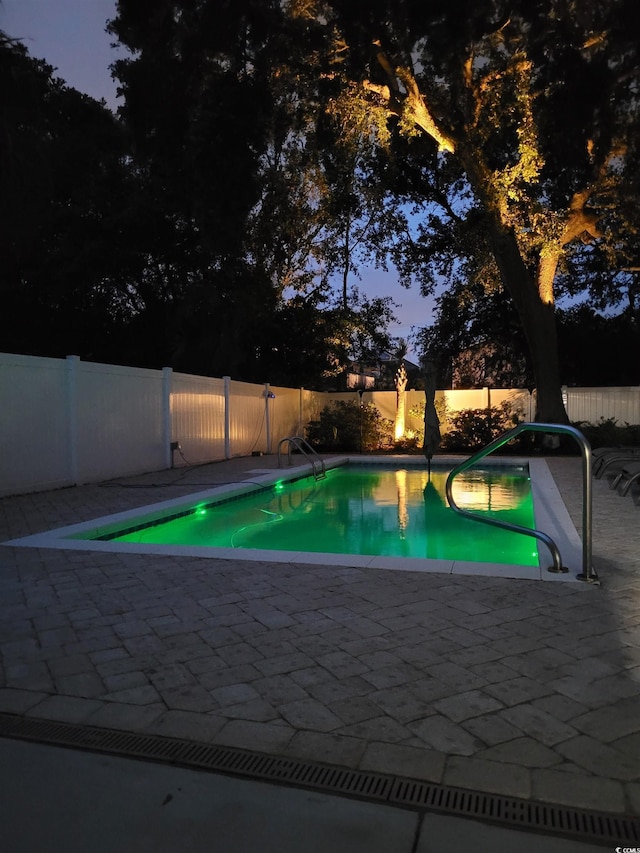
(589, 405)
(64, 421)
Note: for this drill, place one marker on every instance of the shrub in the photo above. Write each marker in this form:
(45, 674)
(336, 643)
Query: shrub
(607, 433)
(471, 429)
(345, 425)
(411, 442)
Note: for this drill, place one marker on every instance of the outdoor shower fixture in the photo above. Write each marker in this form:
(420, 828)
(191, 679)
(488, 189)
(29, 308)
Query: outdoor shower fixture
(268, 395)
(173, 446)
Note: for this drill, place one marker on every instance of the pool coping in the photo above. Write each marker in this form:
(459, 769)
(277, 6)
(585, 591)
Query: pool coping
(551, 516)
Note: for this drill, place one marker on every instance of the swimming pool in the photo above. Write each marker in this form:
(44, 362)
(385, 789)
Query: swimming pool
(365, 513)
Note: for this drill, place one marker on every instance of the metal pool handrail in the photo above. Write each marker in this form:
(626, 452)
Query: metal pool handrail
(588, 573)
(300, 443)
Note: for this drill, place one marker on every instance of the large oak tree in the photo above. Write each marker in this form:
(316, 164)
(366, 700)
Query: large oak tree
(521, 114)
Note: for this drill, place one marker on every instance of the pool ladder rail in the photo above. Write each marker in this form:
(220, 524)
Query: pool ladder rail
(303, 446)
(588, 574)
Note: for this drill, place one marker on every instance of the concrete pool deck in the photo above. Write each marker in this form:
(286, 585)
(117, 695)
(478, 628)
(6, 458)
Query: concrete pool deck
(512, 687)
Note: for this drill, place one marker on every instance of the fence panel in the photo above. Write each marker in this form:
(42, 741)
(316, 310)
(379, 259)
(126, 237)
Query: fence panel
(285, 414)
(481, 398)
(312, 404)
(197, 417)
(247, 418)
(592, 404)
(119, 421)
(34, 432)
(384, 401)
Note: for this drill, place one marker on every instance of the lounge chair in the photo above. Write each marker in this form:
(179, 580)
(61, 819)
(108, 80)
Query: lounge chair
(598, 454)
(627, 477)
(605, 457)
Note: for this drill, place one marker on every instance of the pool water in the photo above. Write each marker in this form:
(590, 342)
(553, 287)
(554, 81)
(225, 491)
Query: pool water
(367, 510)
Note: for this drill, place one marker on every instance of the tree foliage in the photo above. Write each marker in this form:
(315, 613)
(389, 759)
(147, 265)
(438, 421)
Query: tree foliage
(268, 149)
(217, 125)
(511, 126)
(193, 230)
(61, 159)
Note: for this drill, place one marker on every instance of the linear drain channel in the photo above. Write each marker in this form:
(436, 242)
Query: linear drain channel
(377, 787)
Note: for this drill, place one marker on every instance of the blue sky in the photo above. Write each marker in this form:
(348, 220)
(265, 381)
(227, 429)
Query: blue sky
(70, 35)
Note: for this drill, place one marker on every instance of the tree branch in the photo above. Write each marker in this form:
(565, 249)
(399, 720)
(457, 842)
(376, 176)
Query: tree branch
(581, 222)
(411, 106)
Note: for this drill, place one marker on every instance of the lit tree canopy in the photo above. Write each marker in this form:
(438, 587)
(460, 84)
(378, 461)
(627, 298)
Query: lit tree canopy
(521, 115)
(268, 149)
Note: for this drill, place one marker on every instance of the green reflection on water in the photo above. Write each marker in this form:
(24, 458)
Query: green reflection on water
(369, 511)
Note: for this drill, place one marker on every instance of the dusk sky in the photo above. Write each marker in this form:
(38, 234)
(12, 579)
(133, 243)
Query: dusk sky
(70, 35)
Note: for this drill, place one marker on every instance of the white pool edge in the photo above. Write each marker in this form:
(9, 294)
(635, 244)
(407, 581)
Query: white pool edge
(551, 517)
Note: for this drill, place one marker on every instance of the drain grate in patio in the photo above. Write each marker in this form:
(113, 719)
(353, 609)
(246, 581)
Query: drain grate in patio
(377, 787)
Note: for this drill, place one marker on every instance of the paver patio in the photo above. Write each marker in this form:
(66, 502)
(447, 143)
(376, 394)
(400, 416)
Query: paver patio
(518, 687)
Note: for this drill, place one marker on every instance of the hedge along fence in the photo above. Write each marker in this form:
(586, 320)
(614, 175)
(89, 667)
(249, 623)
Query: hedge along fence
(447, 402)
(587, 405)
(65, 422)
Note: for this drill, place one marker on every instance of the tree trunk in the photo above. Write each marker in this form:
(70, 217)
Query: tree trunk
(538, 320)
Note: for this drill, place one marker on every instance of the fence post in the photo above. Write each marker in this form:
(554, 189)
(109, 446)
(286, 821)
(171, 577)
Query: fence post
(267, 415)
(72, 362)
(300, 410)
(227, 417)
(166, 417)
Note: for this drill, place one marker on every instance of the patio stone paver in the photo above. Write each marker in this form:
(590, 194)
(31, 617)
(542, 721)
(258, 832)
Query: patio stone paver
(17, 701)
(538, 724)
(87, 685)
(491, 729)
(64, 709)
(335, 689)
(255, 709)
(263, 737)
(515, 687)
(402, 704)
(186, 724)
(337, 749)
(496, 777)
(418, 762)
(582, 791)
(523, 751)
(144, 695)
(310, 715)
(599, 758)
(462, 706)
